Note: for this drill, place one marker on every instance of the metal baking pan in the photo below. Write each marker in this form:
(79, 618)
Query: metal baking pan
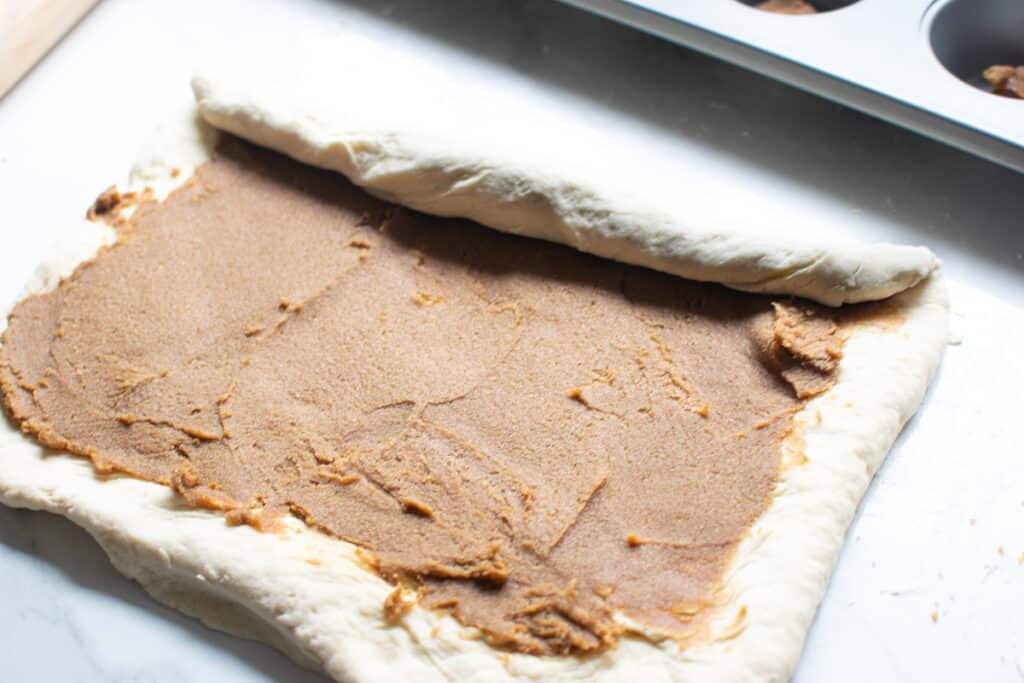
(915, 63)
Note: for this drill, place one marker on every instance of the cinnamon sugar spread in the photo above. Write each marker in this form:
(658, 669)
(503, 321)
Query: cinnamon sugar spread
(1005, 80)
(528, 436)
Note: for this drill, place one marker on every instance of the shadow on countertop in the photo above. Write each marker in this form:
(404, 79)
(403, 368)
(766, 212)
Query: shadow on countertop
(953, 201)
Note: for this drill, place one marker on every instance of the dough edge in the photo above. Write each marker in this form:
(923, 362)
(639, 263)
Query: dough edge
(408, 132)
(311, 597)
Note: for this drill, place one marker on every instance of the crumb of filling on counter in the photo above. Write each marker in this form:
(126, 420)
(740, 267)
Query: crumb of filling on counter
(1007, 81)
(787, 7)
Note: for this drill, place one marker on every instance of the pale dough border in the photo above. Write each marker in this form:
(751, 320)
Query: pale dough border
(310, 596)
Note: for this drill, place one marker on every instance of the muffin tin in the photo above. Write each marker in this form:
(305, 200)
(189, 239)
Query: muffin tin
(916, 63)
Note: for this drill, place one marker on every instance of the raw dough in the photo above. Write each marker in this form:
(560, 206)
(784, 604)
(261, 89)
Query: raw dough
(406, 134)
(357, 383)
(310, 595)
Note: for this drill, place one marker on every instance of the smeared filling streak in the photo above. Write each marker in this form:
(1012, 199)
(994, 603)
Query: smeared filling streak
(530, 437)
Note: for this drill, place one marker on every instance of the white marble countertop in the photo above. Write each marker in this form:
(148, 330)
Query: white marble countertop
(926, 542)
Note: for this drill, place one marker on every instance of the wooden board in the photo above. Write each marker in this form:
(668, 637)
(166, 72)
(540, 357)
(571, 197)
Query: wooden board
(29, 28)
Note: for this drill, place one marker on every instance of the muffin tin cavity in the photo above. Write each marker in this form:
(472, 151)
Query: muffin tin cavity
(968, 36)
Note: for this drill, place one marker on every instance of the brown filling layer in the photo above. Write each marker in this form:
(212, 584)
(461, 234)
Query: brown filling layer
(1007, 81)
(532, 437)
